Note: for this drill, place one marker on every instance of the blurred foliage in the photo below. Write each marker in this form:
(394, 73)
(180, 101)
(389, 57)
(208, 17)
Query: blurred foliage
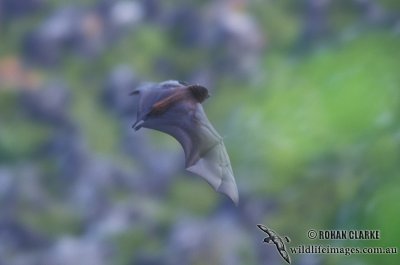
(323, 129)
(319, 133)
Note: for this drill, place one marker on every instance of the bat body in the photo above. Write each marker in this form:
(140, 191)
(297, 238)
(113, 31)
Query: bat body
(175, 108)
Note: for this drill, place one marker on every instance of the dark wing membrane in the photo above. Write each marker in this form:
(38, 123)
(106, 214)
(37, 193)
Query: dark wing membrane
(177, 121)
(205, 153)
(214, 164)
(180, 134)
(164, 108)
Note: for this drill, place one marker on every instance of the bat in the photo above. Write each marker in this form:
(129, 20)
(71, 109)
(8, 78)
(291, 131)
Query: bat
(274, 238)
(174, 108)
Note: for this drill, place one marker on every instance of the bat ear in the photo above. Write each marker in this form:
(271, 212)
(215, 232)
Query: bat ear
(200, 93)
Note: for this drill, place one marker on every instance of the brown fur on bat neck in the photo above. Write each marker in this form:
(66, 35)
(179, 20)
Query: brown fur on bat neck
(197, 92)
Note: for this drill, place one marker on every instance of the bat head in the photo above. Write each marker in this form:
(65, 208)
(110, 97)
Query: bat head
(200, 93)
(155, 94)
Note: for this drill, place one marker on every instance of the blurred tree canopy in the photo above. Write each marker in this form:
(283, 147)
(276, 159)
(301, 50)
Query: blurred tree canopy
(313, 131)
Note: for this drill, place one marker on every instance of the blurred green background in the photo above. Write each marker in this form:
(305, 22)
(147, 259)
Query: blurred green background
(305, 94)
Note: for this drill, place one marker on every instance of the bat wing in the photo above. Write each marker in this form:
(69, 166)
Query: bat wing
(213, 164)
(205, 152)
